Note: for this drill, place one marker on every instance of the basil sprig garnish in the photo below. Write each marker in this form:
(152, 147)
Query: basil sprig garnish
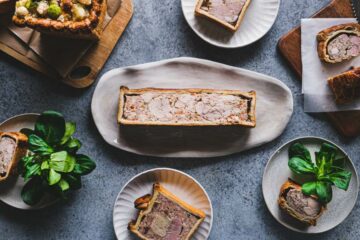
(327, 170)
(53, 165)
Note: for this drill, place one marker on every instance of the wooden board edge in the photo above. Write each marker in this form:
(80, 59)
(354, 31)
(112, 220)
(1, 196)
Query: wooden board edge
(125, 12)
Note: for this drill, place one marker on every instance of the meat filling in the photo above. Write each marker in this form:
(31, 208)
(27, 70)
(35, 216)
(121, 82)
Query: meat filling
(7, 150)
(226, 10)
(344, 46)
(305, 206)
(186, 107)
(167, 221)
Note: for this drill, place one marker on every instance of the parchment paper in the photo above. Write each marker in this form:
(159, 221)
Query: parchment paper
(318, 97)
(61, 54)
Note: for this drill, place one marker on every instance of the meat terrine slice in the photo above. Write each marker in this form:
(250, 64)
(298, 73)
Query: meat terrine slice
(186, 107)
(306, 209)
(228, 13)
(13, 147)
(346, 86)
(163, 216)
(339, 43)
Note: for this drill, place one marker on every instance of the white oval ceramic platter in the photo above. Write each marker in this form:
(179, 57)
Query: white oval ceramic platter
(273, 96)
(258, 20)
(181, 184)
(277, 172)
(10, 191)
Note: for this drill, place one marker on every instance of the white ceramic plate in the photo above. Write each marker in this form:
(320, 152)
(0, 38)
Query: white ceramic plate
(273, 96)
(10, 191)
(258, 20)
(277, 172)
(181, 184)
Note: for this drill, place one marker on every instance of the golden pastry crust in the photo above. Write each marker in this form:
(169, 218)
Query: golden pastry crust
(159, 189)
(346, 86)
(202, 13)
(20, 151)
(251, 122)
(89, 28)
(290, 184)
(325, 36)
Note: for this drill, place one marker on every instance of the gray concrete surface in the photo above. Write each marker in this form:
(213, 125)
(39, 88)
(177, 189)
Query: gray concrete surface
(158, 31)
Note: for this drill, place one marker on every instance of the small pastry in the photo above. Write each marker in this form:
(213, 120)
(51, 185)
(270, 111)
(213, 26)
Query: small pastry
(13, 146)
(186, 107)
(339, 43)
(81, 19)
(162, 215)
(306, 209)
(228, 13)
(346, 86)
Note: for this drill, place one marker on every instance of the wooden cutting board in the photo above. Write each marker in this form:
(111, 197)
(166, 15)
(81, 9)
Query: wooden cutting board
(348, 123)
(89, 66)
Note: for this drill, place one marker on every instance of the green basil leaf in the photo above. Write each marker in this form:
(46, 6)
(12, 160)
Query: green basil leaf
(62, 162)
(54, 177)
(31, 170)
(301, 166)
(24, 161)
(340, 179)
(328, 148)
(73, 180)
(70, 128)
(33, 191)
(309, 188)
(73, 145)
(324, 191)
(45, 165)
(50, 126)
(27, 131)
(64, 185)
(299, 150)
(39, 146)
(84, 165)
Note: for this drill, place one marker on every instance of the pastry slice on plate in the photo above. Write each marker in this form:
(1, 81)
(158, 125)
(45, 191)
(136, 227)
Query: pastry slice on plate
(306, 209)
(346, 86)
(13, 146)
(65, 18)
(228, 13)
(164, 216)
(339, 43)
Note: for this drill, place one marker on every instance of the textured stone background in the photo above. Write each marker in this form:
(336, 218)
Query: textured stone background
(158, 31)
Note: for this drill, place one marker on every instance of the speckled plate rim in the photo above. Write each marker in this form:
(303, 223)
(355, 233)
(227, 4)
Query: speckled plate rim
(31, 208)
(280, 149)
(224, 45)
(171, 170)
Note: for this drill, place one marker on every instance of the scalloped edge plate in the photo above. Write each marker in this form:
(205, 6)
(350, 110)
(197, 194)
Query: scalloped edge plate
(179, 183)
(258, 20)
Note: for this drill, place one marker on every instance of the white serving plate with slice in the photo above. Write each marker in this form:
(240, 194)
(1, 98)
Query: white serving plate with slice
(258, 20)
(179, 183)
(277, 172)
(273, 96)
(10, 190)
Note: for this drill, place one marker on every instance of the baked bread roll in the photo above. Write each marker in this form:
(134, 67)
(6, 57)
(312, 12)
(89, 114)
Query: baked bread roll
(186, 107)
(81, 19)
(228, 13)
(346, 86)
(306, 209)
(339, 43)
(13, 146)
(164, 216)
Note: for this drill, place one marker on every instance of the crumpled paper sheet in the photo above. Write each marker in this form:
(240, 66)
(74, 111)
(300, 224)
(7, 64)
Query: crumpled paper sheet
(318, 96)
